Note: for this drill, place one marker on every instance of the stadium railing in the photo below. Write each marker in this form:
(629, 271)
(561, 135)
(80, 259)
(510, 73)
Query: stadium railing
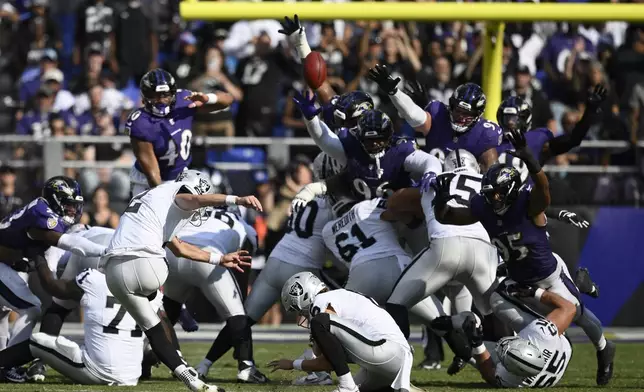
(53, 160)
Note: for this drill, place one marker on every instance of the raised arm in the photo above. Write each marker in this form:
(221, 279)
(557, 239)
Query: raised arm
(413, 114)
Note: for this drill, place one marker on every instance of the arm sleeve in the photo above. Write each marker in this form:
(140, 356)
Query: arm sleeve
(407, 109)
(80, 246)
(564, 143)
(328, 141)
(420, 162)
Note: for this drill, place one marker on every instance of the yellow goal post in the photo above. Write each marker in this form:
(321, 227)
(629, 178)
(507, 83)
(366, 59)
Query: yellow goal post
(495, 14)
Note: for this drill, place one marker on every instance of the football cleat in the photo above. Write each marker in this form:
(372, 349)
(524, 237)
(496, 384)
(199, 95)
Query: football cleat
(16, 375)
(250, 375)
(188, 323)
(315, 378)
(191, 380)
(429, 364)
(585, 284)
(605, 360)
(36, 371)
(456, 366)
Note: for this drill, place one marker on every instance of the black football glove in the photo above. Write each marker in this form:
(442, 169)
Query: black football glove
(381, 75)
(24, 265)
(521, 150)
(520, 290)
(441, 186)
(417, 92)
(502, 270)
(290, 26)
(596, 97)
(573, 219)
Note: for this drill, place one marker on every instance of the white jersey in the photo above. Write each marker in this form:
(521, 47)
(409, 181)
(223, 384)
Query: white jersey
(57, 258)
(151, 219)
(361, 311)
(463, 187)
(219, 230)
(113, 348)
(555, 348)
(302, 244)
(360, 235)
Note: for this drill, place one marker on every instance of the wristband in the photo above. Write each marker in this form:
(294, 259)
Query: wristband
(215, 258)
(231, 200)
(532, 164)
(538, 293)
(297, 364)
(212, 99)
(478, 350)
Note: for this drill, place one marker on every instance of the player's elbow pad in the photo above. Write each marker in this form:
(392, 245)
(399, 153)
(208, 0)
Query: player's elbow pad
(407, 109)
(81, 246)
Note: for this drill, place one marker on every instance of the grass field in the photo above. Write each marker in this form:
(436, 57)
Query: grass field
(580, 376)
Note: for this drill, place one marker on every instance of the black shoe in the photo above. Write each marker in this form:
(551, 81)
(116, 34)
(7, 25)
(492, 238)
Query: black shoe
(585, 284)
(36, 371)
(430, 364)
(456, 366)
(605, 360)
(149, 359)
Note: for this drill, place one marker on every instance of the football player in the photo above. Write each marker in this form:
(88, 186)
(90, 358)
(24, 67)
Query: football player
(219, 232)
(537, 357)
(374, 162)
(113, 344)
(446, 127)
(32, 229)
(515, 220)
(160, 131)
(348, 327)
(135, 265)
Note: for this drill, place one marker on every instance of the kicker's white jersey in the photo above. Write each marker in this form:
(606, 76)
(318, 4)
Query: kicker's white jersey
(463, 187)
(151, 219)
(555, 348)
(302, 244)
(113, 347)
(361, 311)
(360, 235)
(57, 257)
(219, 230)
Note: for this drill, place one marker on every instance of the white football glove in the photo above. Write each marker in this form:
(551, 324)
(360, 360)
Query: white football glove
(307, 194)
(573, 219)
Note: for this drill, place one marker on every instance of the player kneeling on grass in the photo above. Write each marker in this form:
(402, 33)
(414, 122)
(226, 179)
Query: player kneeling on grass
(348, 326)
(113, 345)
(535, 358)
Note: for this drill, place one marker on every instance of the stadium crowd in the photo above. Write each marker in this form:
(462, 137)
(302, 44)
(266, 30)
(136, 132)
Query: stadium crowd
(72, 68)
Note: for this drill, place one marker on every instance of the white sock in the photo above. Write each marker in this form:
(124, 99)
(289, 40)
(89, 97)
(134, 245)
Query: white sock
(249, 363)
(180, 369)
(346, 381)
(601, 344)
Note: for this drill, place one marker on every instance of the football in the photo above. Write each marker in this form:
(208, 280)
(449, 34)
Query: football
(314, 70)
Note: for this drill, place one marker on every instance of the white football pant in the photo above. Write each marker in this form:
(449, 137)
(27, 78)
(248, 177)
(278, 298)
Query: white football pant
(16, 295)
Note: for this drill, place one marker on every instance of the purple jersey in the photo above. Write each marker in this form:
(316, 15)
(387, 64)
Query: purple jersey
(37, 123)
(536, 139)
(441, 139)
(523, 245)
(85, 124)
(170, 136)
(36, 215)
(367, 181)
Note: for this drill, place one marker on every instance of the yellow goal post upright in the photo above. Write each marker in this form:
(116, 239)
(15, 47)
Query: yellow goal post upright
(494, 14)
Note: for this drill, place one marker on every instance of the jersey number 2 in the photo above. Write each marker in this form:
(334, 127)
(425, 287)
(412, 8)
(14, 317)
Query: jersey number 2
(347, 251)
(112, 327)
(135, 203)
(184, 148)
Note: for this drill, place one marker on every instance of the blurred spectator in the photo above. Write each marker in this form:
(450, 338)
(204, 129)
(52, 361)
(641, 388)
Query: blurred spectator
(135, 49)
(244, 35)
(100, 213)
(9, 201)
(626, 67)
(53, 79)
(87, 122)
(216, 78)
(30, 81)
(524, 87)
(94, 25)
(189, 64)
(263, 76)
(36, 121)
(292, 118)
(438, 80)
(91, 73)
(35, 32)
(636, 103)
(333, 51)
(109, 98)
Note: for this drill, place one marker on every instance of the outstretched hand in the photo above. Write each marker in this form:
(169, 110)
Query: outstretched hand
(381, 75)
(250, 202)
(306, 103)
(198, 99)
(596, 97)
(290, 26)
(236, 260)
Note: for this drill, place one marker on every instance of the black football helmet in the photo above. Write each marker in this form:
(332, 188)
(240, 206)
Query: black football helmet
(375, 132)
(514, 113)
(466, 106)
(159, 92)
(348, 107)
(500, 187)
(64, 197)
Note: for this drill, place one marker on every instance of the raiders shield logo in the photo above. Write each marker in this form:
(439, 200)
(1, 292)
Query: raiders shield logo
(296, 290)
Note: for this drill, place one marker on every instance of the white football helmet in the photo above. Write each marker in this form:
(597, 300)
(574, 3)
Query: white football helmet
(461, 160)
(197, 182)
(520, 357)
(324, 167)
(299, 292)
